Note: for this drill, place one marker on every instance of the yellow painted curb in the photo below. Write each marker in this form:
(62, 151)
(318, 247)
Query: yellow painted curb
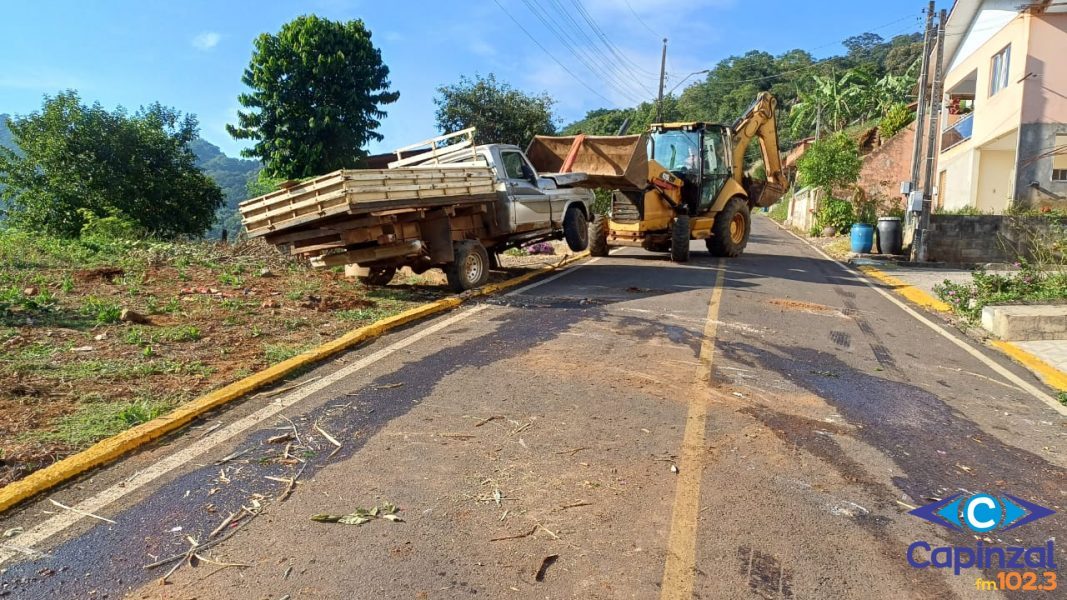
(1052, 376)
(910, 292)
(118, 445)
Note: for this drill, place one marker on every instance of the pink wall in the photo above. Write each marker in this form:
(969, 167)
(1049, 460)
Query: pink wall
(1045, 95)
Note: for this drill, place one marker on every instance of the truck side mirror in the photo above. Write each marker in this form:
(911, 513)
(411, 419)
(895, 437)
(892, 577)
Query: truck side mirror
(528, 174)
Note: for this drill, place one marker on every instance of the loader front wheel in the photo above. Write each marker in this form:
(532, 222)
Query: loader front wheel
(598, 236)
(470, 268)
(378, 275)
(729, 234)
(576, 229)
(680, 239)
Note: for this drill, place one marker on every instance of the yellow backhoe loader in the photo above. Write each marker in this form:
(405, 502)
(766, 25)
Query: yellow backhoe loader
(677, 182)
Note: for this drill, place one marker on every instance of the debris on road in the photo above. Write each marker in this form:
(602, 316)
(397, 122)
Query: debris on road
(81, 512)
(546, 562)
(361, 516)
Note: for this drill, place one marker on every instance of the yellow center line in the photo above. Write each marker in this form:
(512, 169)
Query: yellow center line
(678, 573)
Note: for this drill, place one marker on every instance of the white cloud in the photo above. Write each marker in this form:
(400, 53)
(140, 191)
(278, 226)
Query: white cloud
(206, 40)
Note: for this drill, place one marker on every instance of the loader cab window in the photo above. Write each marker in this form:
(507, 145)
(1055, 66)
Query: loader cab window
(716, 166)
(677, 151)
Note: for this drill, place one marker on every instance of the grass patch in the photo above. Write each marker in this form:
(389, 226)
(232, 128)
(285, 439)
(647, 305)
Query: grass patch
(1062, 397)
(780, 211)
(276, 353)
(100, 310)
(1029, 284)
(40, 360)
(95, 420)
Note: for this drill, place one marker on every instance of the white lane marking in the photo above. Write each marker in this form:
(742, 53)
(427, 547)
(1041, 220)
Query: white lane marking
(989, 362)
(94, 504)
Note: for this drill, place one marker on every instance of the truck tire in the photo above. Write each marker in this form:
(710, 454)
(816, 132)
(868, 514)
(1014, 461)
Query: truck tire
(378, 275)
(470, 268)
(680, 239)
(598, 236)
(729, 234)
(576, 229)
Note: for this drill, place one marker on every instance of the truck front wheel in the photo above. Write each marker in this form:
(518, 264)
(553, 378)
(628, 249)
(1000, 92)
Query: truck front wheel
(598, 236)
(729, 234)
(576, 229)
(470, 268)
(680, 239)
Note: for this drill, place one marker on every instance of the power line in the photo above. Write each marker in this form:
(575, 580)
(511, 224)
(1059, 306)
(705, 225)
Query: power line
(583, 32)
(572, 47)
(622, 76)
(604, 38)
(640, 20)
(550, 55)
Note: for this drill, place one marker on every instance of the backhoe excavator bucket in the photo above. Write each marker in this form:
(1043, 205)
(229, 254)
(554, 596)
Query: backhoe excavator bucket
(610, 161)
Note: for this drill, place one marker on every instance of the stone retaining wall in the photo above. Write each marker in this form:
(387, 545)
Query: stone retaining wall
(968, 239)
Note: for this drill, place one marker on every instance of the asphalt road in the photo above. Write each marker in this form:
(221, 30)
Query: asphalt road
(751, 428)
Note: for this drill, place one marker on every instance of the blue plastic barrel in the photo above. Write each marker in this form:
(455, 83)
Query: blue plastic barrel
(862, 238)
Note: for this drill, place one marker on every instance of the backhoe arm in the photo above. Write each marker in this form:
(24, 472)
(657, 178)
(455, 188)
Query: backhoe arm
(759, 122)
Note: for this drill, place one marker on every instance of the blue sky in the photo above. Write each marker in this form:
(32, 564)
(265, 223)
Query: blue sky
(190, 53)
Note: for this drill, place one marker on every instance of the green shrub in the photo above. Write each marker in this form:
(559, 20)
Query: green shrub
(836, 213)
(1029, 284)
(830, 163)
(896, 118)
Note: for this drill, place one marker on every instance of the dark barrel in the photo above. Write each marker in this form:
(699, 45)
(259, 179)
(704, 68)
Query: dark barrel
(890, 235)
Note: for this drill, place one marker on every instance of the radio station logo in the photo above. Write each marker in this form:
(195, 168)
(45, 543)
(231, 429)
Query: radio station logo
(1020, 567)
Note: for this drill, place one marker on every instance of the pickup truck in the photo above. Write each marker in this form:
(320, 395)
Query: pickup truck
(449, 206)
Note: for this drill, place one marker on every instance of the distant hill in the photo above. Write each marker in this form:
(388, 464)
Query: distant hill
(231, 174)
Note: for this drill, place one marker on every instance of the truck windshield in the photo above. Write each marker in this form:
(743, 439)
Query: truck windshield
(676, 150)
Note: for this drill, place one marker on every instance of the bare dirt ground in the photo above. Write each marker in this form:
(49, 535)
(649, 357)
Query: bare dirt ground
(202, 315)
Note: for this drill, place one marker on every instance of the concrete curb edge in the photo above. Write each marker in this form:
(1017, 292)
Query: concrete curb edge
(114, 447)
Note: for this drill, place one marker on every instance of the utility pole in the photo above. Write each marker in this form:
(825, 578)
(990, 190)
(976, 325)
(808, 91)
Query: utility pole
(662, 79)
(911, 187)
(924, 82)
(920, 249)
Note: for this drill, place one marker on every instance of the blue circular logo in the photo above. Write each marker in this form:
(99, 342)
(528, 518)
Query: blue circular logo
(982, 513)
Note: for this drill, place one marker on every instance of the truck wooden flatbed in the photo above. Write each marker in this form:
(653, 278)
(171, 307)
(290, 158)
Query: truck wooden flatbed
(445, 205)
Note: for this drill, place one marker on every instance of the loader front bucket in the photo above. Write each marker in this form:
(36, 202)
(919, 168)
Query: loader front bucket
(614, 162)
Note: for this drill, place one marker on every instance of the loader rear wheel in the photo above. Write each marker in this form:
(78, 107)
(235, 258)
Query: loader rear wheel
(729, 234)
(378, 275)
(576, 229)
(470, 268)
(598, 236)
(680, 239)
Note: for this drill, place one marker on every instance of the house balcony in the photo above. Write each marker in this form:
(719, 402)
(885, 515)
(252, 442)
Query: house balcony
(958, 132)
(958, 123)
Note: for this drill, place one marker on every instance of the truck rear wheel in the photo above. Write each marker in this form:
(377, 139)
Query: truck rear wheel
(378, 275)
(470, 268)
(729, 234)
(576, 229)
(680, 239)
(598, 236)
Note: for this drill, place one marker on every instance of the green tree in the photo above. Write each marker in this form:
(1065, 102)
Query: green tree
(501, 114)
(317, 91)
(81, 163)
(830, 163)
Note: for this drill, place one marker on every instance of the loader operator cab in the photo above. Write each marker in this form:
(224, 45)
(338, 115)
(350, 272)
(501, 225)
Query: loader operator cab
(695, 152)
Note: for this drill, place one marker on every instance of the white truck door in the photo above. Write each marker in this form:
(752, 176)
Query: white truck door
(532, 208)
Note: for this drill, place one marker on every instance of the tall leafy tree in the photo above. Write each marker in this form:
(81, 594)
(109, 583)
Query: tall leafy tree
(501, 113)
(78, 163)
(317, 91)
